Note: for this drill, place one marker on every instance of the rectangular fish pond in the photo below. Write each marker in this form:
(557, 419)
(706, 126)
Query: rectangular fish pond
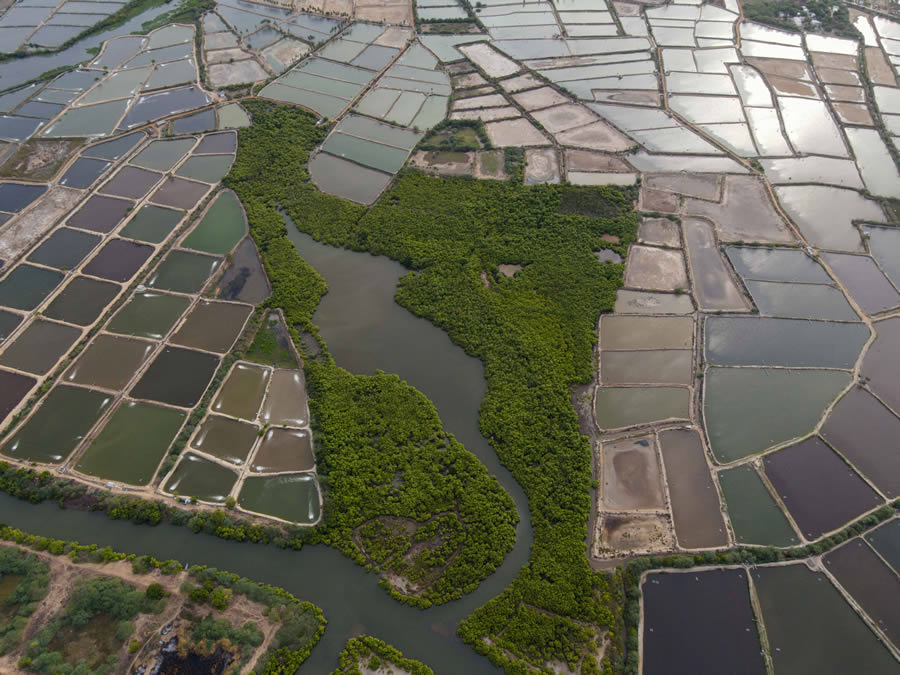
(26, 286)
(183, 272)
(221, 228)
(204, 479)
(57, 427)
(148, 314)
(38, 348)
(242, 392)
(286, 402)
(291, 497)
(755, 516)
(177, 376)
(699, 622)
(284, 450)
(152, 224)
(225, 438)
(132, 444)
(109, 362)
(212, 326)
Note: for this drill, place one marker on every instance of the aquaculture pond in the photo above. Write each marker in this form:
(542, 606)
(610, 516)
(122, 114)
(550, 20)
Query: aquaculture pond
(754, 514)
(38, 348)
(212, 326)
(225, 438)
(119, 260)
(58, 426)
(747, 410)
(696, 510)
(290, 497)
(221, 228)
(818, 488)
(152, 224)
(886, 540)
(244, 280)
(64, 249)
(177, 376)
(148, 314)
(712, 631)
(242, 393)
(13, 388)
(617, 407)
(26, 286)
(82, 301)
(132, 444)
(284, 450)
(870, 581)
(100, 214)
(864, 431)
(811, 628)
(183, 272)
(395, 341)
(197, 477)
(285, 402)
(109, 362)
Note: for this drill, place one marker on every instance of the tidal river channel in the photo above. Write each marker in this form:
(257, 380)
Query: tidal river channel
(365, 330)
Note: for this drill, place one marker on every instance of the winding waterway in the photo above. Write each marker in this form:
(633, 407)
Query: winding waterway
(365, 330)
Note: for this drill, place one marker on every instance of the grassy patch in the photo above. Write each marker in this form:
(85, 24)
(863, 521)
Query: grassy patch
(271, 346)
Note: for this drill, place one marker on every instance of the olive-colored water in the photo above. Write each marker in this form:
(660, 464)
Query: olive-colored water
(750, 409)
(64, 249)
(242, 393)
(152, 224)
(82, 301)
(284, 450)
(109, 361)
(754, 515)
(212, 326)
(225, 438)
(617, 407)
(38, 348)
(148, 314)
(286, 400)
(291, 497)
(198, 477)
(132, 444)
(177, 376)
(63, 419)
(183, 272)
(379, 334)
(811, 628)
(221, 228)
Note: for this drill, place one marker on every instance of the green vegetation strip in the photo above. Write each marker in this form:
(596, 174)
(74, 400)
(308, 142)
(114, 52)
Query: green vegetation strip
(534, 333)
(381, 451)
(372, 654)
